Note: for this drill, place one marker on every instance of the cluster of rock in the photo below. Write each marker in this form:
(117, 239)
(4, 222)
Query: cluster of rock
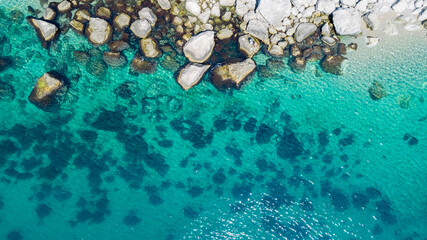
(305, 30)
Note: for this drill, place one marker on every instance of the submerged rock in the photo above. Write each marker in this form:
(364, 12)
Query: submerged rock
(7, 92)
(141, 65)
(46, 31)
(332, 64)
(297, 64)
(377, 91)
(199, 48)
(99, 31)
(347, 21)
(248, 45)
(149, 48)
(45, 90)
(232, 74)
(114, 59)
(191, 75)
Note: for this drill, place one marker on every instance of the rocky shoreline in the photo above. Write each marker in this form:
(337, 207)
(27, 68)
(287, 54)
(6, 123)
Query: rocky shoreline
(219, 37)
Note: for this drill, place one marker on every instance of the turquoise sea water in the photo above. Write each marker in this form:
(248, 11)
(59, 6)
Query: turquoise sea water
(289, 156)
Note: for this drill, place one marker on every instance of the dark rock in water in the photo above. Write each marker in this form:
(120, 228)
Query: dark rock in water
(88, 136)
(332, 64)
(114, 59)
(388, 218)
(43, 210)
(14, 235)
(264, 134)
(323, 138)
(131, 220)
(195, 191)
(45, 94)
(413, 141)
(220, 124)
(127, 90)
(81, 57)
(61, 194)
(118, 46)
(139, 64)
(109, 121)
(359, 200)
(97, 68)
(155, 199)
(346, 141)
(327, 159)
(5, 63)
(31, 163)
(406, 137)
(157, 162)
(189, 212)
(339, 200)
(169, 63)
(297, 64)
(8, 147)
(219, 177)
(383, 206)
(165, 143)
(337, 131)
(241, 191)
(250, 125)
(377, 91)
(289, 146)
(377, 230)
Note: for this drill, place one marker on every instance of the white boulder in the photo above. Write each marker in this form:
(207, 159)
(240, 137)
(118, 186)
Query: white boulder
(147, 13)
(191, 75)
(193, 7)
(304, 30)
(346, 21)
(399, 6)
(227, 3)
(99, 31)
(164, 4)
(326, 6)
(258, 29)
(141, 28)
(46, 30)
(199, 48)
(274, 11)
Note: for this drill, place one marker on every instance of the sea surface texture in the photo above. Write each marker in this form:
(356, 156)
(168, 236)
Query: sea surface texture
(288, 156)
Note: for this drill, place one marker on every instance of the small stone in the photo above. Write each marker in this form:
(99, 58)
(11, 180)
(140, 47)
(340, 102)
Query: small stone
(141, 28)
(352, 46)
(224, 34)
(77, 26)
(149, 48)
(164, 4)
(147, 13)
(275, 50)
(121, 21)
(82, 15)
(227, 3)
(103, 13)
(49, 14)
(295, 51)
(248, 45)
(191, 75)
(372, 41)
(64, 7)
(330, 41)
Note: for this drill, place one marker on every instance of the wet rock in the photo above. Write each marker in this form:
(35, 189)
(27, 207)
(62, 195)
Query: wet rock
(297, 64)
(97, 68)
(44, 92)
(191, 75)
(264, 134)
(114, 59)
(103, 13)
(43, 210)
(377, 91)
(219, 178)
(199, 48)
(49, 14)
(77, 26)
(81, 57)
(248, 45)
(5, 63)
(232, 74)
(121, 21)
(82, 15)
(169, 63)
(46, 31)
(109, 121)
(149, 48)
(304, 30)
(131, 220)
(359, 200)
(332, 64)
(99, 31)
(7, 92)
(141, 28)
(295, 51)
(64, 6)
(118, 46)
(289, 147)
(14, 235)
(346, 21)
(141, 65)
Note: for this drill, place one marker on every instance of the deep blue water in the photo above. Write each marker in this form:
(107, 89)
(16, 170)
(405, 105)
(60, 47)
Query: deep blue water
(288, 156)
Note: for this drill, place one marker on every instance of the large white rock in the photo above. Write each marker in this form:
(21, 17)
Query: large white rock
(244, 6)
(147, 13)
(47, 31)
(193, 7)
(232, 74)
(164, 4)
(191, 75)
(346, 21)
(350, 3)
(227, 3)
(304, 30)
(99, 31)
(199, 48)
(372, 21)
(423, 15)
(204, 16)
(274, 11)
(248, 45)
(141, 28)
(258, 29)
(399, 6)
(326, 6)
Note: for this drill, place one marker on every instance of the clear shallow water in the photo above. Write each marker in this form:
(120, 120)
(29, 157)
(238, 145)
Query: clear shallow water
(297, 156)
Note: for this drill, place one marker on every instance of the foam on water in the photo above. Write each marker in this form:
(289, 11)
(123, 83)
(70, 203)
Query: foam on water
(296, 156)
